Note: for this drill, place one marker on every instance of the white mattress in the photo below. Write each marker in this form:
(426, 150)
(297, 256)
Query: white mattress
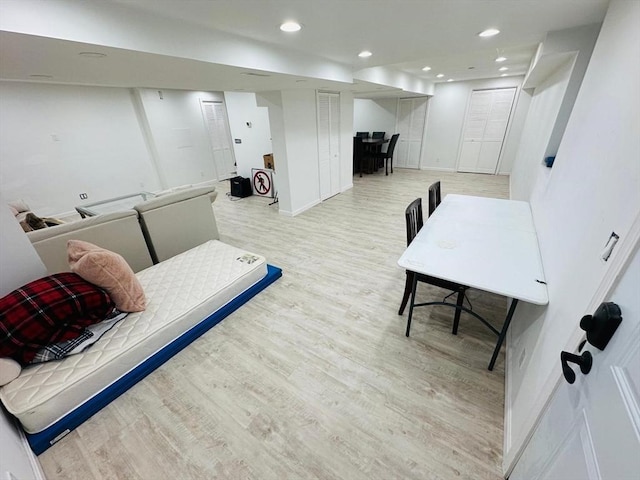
(181, 291)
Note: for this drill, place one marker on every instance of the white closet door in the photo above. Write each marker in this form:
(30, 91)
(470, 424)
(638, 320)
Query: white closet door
(220, 138)
(411, 119)
(329, 144)
(484, 130)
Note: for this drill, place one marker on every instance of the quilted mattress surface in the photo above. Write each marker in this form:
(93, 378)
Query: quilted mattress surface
(181, 292)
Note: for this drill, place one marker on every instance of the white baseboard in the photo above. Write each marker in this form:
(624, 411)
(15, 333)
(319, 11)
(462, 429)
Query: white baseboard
(439, 169)
(302, 209)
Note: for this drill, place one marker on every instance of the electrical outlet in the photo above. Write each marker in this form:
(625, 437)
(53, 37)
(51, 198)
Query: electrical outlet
(83, 196)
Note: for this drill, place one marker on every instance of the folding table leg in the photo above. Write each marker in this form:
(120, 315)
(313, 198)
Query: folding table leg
(503, 332)
(413, 301)
(456, 318)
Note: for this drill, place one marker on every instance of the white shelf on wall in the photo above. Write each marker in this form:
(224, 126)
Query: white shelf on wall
(546, 65)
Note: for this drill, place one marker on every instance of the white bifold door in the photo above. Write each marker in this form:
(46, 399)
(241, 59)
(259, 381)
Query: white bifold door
(215, 115)
(484, 130)
(411, 120)
(329, 144)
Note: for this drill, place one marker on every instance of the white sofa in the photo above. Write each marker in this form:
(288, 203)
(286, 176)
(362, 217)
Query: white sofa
(175, 222)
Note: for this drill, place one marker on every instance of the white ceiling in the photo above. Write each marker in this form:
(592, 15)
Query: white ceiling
(404, 35)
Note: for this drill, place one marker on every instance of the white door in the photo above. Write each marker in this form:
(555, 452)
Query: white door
(215, 115)
(411, 119)
(591, 429)
(484, 129)
(329, 144)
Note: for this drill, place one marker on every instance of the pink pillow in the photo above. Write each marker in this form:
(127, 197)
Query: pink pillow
(109, 271)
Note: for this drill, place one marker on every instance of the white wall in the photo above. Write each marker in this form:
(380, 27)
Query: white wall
(445, 120)
(540, 120)
(177, 128)
(580, 40)
(554, 81)
(294, 130)
(59, 141)
(593, 189)
(377, 115)
(301, 127)
(256, 139)
(346, 140)
(19, 264)
(273, 102)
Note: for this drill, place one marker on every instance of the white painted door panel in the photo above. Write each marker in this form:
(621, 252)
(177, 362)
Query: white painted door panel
(469, 156)
(591, 429)
(329, 144)
(411, 120)
(220, 138)
(484, 129)
(488, 157)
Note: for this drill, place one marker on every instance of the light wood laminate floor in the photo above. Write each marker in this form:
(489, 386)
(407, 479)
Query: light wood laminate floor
(314, 378)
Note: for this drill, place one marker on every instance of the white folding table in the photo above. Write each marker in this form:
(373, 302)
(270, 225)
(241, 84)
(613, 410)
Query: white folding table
(484, 243)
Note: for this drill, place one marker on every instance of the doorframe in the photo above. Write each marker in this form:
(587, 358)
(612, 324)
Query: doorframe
(202, 101)
(516, 97)
(619, 262)
(427, 99)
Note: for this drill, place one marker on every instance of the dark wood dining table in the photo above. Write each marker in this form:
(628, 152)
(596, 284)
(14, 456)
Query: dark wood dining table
(373, 145)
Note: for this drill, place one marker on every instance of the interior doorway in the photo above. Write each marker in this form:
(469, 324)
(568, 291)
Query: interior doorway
(328, 144)
(215, 115)
(485, 126)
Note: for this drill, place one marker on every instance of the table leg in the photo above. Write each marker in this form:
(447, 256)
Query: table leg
(413, 301)
(503, 332)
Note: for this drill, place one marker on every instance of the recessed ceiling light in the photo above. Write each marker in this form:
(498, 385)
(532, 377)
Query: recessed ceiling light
(39, 75)
(489, 32)
(440, 75)
(501, 59)
(426, 69)
(450, 80)
(365, 54)
(92, 54)
(290, 27)
(502, 69)
(504, 74)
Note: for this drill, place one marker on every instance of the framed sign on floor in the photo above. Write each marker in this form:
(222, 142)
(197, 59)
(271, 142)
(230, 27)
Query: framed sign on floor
(262, 181)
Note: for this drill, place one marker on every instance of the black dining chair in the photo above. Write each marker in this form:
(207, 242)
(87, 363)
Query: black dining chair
(377, 147)
(388, 155)
(359, 155)
(413, 218)
(435, 197)
(362, 134)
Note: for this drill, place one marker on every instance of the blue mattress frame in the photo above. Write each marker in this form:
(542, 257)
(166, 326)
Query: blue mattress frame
(41, 441)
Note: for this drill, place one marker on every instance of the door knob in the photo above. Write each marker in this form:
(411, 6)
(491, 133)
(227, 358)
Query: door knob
(601, 326)
(585, 361)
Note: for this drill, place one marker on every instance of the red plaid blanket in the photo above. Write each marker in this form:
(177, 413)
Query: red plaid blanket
(49, 310)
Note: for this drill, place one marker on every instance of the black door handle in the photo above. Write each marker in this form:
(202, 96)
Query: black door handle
(601, 326)
(585, 361)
